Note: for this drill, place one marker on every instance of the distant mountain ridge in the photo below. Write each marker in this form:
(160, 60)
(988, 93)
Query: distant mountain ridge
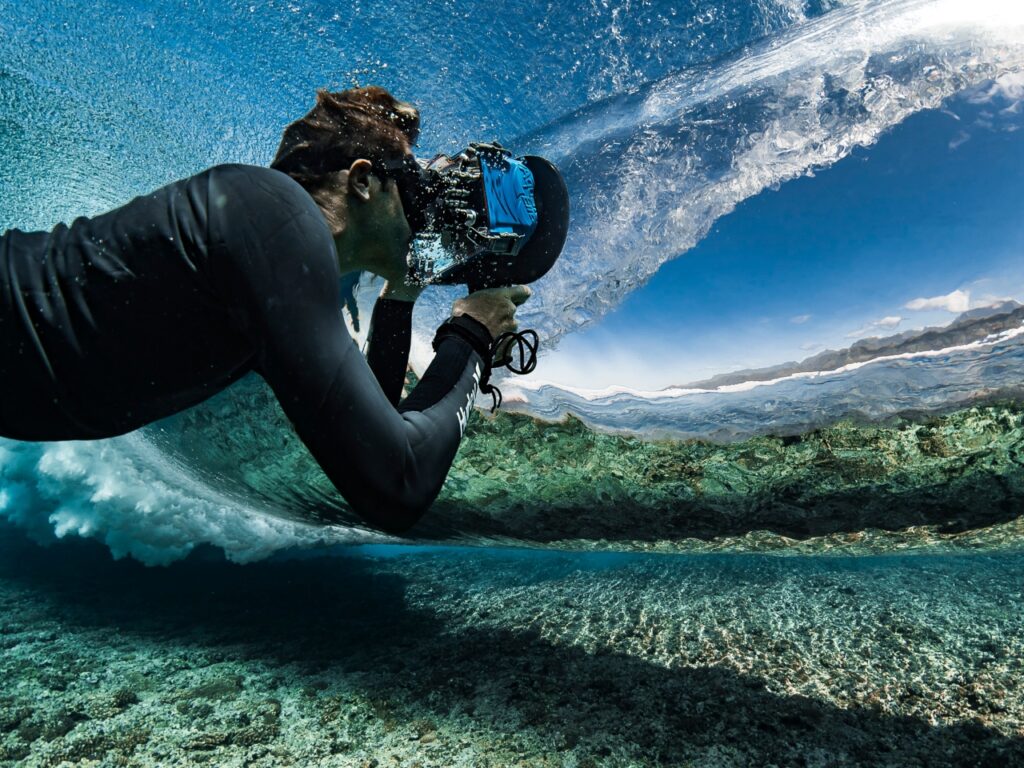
(973, 325)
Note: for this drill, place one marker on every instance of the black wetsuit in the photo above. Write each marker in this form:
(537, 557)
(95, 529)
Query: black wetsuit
(121, 319)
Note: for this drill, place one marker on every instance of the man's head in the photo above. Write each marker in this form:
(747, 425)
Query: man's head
(338, 153)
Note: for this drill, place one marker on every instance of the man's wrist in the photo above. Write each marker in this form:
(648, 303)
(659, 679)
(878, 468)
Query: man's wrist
(469, 329)
(401, 291)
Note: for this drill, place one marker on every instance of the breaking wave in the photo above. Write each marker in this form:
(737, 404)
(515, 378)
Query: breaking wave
(655, 149)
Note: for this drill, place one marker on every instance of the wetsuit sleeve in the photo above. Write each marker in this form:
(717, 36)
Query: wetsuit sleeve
(389, 340)
(389, 466)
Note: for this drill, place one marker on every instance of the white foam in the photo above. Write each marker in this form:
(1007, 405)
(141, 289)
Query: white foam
(124, 493)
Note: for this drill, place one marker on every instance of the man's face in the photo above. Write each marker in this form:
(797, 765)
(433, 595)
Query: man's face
(391, 235)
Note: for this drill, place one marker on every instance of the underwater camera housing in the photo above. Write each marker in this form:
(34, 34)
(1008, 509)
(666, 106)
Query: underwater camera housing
(484, 218)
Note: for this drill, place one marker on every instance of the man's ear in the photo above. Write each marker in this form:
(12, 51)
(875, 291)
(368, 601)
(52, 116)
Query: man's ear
(359, 179)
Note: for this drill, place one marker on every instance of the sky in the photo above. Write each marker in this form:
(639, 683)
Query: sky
(904, 234)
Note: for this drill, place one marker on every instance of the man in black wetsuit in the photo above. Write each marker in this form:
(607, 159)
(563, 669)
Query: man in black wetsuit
(127, 317)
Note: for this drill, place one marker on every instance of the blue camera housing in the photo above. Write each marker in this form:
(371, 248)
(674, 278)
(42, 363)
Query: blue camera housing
(508, 186)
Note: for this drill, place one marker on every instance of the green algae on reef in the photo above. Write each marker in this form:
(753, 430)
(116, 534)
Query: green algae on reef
(951, 481)
(954, 480)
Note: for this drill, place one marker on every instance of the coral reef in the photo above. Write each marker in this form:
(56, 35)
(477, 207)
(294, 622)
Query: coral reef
(954, 480)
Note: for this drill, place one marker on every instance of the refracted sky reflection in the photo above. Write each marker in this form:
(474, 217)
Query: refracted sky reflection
(905, 234)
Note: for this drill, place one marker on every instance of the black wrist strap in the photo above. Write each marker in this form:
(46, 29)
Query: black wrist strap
(479, 338)
(470, 329)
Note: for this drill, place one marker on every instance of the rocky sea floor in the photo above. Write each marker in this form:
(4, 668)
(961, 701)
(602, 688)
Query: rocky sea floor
(509, 658)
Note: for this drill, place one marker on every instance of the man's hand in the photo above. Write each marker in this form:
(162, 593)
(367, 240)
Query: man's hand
(494, 307)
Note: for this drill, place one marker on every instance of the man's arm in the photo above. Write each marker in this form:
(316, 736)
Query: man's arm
(389, 466)
(388, 344)
(278, 270)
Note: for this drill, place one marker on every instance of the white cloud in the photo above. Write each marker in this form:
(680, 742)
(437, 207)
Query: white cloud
(799, 319)
(990, 300)
(1005, 94)
(957, 301)
(1010, 87)
(811, 346)
(891, 321)
(961, 138)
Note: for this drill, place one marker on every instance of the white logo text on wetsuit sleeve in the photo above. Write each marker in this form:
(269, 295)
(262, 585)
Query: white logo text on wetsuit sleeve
(465, 410)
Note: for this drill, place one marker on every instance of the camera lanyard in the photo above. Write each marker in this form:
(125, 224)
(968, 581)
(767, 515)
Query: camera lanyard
(519, 350)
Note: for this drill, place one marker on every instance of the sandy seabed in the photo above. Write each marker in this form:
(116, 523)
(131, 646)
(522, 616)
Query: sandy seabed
(508, 658)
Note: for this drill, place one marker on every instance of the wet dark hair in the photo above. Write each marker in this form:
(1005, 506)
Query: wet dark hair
(344, 126)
